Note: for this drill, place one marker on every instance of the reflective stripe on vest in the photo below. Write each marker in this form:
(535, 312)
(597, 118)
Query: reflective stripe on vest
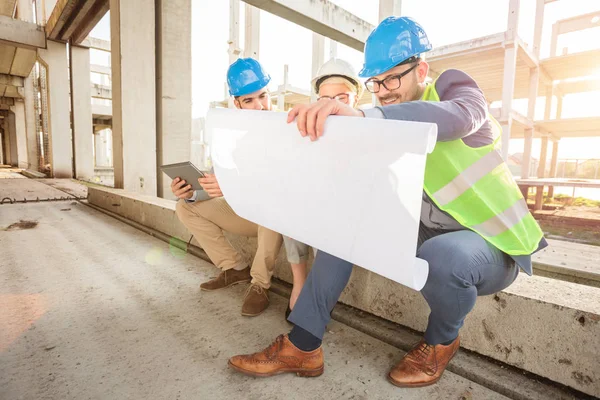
(475, 186)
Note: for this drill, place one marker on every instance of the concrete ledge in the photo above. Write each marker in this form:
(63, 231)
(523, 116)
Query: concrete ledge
(545, 326)
(573, 262)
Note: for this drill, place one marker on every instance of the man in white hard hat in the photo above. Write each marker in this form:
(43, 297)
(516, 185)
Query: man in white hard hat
(337, 80)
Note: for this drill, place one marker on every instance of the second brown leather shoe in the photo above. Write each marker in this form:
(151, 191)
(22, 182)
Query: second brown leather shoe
(280, 357)
(423, 365)
(227, 278)
(256, 301)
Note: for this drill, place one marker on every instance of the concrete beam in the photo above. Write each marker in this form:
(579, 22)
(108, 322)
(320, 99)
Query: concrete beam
(322, 17)
(85, 20)
(101, 122)
(96, 44)
(11, 80)
(7, 101)
(100, 91)
(100, 69)
(72, 20)
(7, 54)
(11, 91)
(578, 23)
(21, 34)
(23, 62)
(101, 111)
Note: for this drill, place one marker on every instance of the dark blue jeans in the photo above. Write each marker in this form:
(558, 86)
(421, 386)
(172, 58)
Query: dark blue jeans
(462, 266)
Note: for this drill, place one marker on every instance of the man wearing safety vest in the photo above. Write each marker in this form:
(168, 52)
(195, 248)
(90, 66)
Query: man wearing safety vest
(476, 231)
(206, 213)
(336, 79)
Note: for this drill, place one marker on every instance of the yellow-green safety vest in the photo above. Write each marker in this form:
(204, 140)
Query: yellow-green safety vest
(476, 187)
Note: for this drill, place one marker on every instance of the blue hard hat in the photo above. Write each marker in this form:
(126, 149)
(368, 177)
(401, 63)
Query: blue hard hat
(245, 76)
(396, 39)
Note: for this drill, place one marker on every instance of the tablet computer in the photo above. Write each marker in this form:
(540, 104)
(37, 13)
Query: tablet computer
(186, 171)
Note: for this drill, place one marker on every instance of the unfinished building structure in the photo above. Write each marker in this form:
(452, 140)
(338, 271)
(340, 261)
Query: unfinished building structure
(50, 111)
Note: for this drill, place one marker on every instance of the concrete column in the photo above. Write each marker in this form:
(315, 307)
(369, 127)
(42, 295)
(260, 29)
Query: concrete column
(2, 142)
(539, 192)
(32, 146)
(252, 32)
(510, 70)
(318, 56)
(553, 166)
(81, 98)
(333, 49)
(388, 8)
(559, 105)
(55, 58)
(173, 86)
(103, 148)
(543, 158)
(6, 159)
(11, 134)
(548, 105)
(20, 134)
(282, 89)
(540, 7)
(526, 165)
(25, 11)
(234, 50)
(554, 40)
(133, 64)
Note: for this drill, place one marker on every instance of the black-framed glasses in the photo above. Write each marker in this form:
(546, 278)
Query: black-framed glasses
(343, 97)
(392, 82)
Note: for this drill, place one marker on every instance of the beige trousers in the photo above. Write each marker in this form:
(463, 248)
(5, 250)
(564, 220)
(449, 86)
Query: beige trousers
(207, 220)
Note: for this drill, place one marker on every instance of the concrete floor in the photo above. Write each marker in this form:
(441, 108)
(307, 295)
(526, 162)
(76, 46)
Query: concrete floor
(91, 308)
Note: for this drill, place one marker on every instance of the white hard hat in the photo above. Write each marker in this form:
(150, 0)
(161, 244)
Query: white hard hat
(338, 68)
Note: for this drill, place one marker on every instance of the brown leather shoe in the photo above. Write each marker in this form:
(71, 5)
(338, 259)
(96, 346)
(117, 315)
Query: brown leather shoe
(280, 357)
(227, 278)
(423, 365)
(256, 301)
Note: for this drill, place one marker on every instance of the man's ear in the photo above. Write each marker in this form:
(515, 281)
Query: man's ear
(237, 103)
(422, 71)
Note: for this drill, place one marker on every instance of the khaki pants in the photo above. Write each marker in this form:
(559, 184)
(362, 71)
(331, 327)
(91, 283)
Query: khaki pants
(207, 220)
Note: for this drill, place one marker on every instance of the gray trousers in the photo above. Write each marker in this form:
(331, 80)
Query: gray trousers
(462, 266)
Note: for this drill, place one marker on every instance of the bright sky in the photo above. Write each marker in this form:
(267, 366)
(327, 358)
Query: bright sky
(445, 22)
